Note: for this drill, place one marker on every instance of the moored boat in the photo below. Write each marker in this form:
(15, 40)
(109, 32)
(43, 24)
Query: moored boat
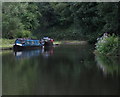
(47, 41)
(26, 44)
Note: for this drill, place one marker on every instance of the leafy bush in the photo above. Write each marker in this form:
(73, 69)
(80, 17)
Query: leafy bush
(108, 44)
(24, 33)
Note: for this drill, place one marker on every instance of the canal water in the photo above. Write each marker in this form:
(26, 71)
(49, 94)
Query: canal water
(61, 70)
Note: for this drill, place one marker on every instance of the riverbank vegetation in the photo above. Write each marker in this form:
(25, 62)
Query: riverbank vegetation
(6, 42)
(108, 45)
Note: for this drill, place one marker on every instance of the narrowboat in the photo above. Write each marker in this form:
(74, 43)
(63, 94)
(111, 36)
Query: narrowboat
(26, 44)
(47, 41)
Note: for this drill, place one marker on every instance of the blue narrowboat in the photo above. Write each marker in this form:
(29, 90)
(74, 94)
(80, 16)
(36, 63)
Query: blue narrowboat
(23, 44)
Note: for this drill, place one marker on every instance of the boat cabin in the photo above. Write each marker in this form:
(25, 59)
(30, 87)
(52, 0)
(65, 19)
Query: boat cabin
(27, 42)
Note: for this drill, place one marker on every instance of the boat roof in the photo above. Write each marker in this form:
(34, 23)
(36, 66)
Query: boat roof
(25, 39)
(46, 38)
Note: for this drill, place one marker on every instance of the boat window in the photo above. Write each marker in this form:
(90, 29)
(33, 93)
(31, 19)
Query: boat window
(28, 42)
(32, 42)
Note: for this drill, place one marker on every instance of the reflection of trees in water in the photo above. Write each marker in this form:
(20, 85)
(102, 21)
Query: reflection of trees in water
(68, 61)
(21, 75)
(18, 75)
(68, 69)
(108, 64)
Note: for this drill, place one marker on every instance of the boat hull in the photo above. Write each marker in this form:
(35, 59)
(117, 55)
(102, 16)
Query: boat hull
(20, 48)
(47, 44)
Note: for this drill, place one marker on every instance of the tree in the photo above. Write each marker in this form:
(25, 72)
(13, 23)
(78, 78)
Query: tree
(18, 17)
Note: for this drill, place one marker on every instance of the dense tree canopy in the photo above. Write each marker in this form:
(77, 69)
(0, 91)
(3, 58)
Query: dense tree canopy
(71, 20)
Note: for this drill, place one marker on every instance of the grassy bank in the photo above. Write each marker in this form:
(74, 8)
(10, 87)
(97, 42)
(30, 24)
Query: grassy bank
(5, 43)
(72, 42)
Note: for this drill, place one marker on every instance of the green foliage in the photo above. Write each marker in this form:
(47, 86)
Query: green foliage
(60, 20)
(108, 13)
(24, 33)
(6, 42)
(108, 45)
(18, 17)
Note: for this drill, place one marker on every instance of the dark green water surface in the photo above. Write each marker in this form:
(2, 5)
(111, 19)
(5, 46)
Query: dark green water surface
(62, 70)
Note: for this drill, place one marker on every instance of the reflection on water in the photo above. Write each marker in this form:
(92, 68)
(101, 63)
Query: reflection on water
(26, 54)
(63, 70)
(109, 65)
(46, 52)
